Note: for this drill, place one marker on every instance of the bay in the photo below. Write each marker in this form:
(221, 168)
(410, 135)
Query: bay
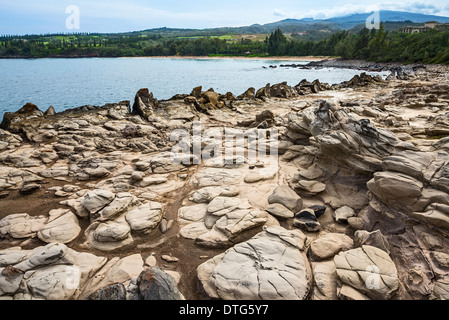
(68, 83)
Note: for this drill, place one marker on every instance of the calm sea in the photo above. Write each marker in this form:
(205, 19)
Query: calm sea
(68, 83)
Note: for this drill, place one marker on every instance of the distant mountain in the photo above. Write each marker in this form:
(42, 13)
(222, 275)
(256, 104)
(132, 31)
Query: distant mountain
(313, 27)
(352, 20)
(349, 21)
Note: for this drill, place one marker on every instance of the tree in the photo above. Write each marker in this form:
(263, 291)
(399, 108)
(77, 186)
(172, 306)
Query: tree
(276, 43)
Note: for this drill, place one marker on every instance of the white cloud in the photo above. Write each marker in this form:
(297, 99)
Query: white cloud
(280, 13)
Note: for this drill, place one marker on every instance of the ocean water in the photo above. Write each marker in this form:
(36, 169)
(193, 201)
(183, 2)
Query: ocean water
(69, 83)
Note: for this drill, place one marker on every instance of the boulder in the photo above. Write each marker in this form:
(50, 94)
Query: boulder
(96, 200)
(269, 266)
(155, 284)
(12, 120)
(279, 211)
(306, 220)
(21, 225)
(145, 217)
(342, 214)
(369, 270)
(108, 236)
(62, 227)
(144, 104)
(286, 196)
(374, 238)
(327, 245)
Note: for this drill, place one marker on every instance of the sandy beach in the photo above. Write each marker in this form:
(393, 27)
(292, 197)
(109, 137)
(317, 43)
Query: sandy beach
(283, 58)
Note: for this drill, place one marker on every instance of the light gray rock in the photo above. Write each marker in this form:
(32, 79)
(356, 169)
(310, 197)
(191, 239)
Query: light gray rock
(217, 177)
(279, 211)
(108, 236)
(229, 226)
(115, 270)
(309, 187)
(221, 205)
(51, 254)
(96, 200)
(10, 279)
(207, 194)
(117, 206)
(287, 197)
(62, 227)
(145, 217)
(369, 270)
(264, 267)
(21, 225)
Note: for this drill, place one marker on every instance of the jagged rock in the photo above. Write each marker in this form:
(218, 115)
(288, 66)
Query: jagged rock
(116, 270)
(369, 270)
(115, 291)
(13, 178)
(264, 92)
(270, 266)
(155, 284)
(374, 238)
(144, 104)
(96, 200)
(12, 120)
(248, 94)
(117, 206)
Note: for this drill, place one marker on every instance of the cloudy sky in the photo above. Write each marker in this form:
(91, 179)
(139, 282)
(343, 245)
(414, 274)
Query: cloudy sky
(50, 16)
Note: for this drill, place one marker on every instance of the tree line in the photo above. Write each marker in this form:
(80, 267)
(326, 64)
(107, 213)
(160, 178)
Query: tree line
(373, 45)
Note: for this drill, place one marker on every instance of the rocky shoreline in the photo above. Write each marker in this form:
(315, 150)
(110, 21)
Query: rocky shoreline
(99, 203)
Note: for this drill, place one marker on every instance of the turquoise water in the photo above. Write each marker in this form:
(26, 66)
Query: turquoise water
(68, 83)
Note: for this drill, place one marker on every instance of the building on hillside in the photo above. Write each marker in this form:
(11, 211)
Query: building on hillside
(429, 25)
(414, 29)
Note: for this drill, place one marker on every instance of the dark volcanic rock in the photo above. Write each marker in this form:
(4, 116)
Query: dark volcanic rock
(115, 291)
(144, 103)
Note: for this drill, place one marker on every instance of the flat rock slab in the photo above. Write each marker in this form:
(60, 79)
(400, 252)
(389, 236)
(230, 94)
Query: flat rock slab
(269, 266)
(369, 270)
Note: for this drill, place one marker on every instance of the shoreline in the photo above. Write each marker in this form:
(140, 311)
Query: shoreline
(281, 58)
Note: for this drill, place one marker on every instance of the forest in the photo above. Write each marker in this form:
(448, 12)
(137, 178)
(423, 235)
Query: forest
(373, 45)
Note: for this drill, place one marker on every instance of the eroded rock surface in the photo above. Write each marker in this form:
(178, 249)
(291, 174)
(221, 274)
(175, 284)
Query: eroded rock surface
(142, 201)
